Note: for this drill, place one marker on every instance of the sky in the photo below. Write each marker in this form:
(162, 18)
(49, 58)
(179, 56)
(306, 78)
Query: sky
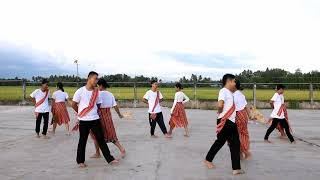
(168, 38)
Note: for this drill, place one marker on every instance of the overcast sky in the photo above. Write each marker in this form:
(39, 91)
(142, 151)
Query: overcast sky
(167, 38)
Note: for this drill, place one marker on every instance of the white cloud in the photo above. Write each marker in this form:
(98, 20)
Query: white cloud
(125, 36)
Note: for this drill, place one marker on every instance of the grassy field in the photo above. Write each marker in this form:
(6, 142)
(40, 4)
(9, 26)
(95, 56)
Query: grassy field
(208, 93)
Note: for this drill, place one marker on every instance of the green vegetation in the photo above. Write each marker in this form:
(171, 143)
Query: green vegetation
(203, 93)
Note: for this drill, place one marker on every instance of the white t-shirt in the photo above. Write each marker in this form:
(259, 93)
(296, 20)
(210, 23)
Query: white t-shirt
(38, 95)
(239, 100)
(107, 99)
(60, 96)
(227, 96)
(82, 96)
(278, 100)
(151, 97)
(179, 97)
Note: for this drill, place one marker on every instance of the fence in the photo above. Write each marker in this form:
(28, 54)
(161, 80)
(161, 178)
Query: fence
(18, 90)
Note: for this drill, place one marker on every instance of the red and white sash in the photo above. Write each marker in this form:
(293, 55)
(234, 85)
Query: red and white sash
(283, 109)
(41, 102)
(225, 118)
(153, 115)
(85, 111)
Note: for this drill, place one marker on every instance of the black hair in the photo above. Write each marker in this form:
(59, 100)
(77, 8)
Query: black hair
(179, 85)
(91, 73)
(280, 86)
(103, 83)
(227, 77)
(44, 81)
(152, 82)
(238, 85)
(60, 86)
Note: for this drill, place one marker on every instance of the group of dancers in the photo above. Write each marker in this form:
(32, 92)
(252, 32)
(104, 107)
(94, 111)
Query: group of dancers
(93, 102)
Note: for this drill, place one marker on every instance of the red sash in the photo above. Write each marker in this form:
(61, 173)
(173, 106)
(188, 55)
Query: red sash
(86, 110)
(153, 116)
(225, 118)
(283, 109)
(91, 105)
(41, 101)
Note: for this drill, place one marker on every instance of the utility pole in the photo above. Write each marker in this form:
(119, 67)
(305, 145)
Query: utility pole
(77, 64)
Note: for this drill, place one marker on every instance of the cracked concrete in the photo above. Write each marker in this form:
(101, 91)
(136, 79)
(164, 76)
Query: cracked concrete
(25, 157)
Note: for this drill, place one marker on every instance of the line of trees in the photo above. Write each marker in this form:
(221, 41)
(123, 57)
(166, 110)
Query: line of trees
(247, 76)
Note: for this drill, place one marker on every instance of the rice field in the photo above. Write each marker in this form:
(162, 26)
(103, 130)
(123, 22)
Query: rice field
(8, 93)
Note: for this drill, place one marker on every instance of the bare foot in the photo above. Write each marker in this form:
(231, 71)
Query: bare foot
(114, 162)
(95, 156)
(123, 153)
(37, 136)
(68, 134)
(248, 156)
(209, 165)
(242, 156)
(82, 165)
(283, 137)
(186, 135)
(237, 172)
(293, 142)
(267, 141)
(154, 136)
(167, 136)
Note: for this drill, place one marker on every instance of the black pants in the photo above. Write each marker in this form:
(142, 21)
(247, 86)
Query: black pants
(45, 123)
(84, 130)
(159, 120)
(283, 124)
(228, 133)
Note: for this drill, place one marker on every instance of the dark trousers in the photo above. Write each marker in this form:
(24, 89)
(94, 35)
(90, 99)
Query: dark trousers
(228, 133)
(45, 123)
(84, 130)
(159, 120)
(283, 124)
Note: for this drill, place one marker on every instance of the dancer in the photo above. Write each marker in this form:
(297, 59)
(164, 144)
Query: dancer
(279, 114)
(59, 109)
(40, 98)
(109, 132)
(178, 114)
(153, 98)
(226, 126)
(85, 103)
(279, 128)
(242, 118)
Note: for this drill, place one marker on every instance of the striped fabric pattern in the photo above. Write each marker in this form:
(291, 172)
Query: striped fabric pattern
(225, 118)
(60, 113)
(242, 124)
(178, 116)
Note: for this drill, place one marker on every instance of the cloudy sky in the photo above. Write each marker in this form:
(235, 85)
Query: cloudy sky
(167, 38)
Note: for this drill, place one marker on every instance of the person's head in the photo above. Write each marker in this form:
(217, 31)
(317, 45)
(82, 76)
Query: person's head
(228, 81)
(238, 85)
(92, 79)
(102, 83)
(44, 84)
(280, 88)
(60, 86)
(178, 86)
(154, 84)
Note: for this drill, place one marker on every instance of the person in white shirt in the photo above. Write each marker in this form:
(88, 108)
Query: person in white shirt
(242, 117)
(108, 101)
(153, 98)
(59, 110)
(226, 126)
(178, 114)
(41, 99)
(85, 102)
(279, 114)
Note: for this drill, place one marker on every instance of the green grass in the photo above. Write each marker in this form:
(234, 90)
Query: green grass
(203, 93)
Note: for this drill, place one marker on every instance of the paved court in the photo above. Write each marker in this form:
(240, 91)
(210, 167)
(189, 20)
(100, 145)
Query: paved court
(25, 157)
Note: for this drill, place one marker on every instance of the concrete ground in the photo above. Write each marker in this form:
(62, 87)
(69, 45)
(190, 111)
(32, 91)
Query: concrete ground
(22, 156)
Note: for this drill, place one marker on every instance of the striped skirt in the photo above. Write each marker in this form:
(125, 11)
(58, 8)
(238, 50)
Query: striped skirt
(60, 113)
(108, 129)
(242, 124)
(178, 117)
